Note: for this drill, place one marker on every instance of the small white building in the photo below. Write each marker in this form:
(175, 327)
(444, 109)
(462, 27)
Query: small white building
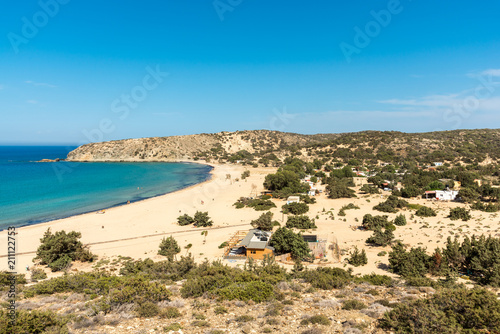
(438, 164)
(293, 199)
(442, 195)
(312, 191)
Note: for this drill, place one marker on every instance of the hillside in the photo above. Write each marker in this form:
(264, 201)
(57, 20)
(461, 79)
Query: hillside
(269, 147)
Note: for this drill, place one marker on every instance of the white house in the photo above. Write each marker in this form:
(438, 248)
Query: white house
(438, 164)
(443, 195)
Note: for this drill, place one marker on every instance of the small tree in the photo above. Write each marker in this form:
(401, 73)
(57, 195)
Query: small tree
(185, 219)
(285, 240)
(58, 250)
(264, 222)
(358, 258)
(400, 220)
(201, 219)
(381, 238)
(169, 248)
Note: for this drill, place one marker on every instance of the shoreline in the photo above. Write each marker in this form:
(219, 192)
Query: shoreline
(38, 222)
(127, 226)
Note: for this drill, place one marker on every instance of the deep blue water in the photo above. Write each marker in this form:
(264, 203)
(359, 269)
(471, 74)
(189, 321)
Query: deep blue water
(33, 192)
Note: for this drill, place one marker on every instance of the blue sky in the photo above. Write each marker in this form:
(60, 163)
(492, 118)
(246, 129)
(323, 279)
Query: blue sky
(80, 71)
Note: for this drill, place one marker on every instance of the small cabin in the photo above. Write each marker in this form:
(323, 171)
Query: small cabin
(255, 244)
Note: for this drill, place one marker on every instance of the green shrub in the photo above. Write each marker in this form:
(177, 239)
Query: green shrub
(261, 204)
(285, 241)
(301, 222)
(425, 211)
(391, 205)
(459, 213)
(449, 311)
(264, 222)
(353, 304)
(33, 322)
(374, 279)
(169, 248)
(59, 249)
(375, 222)
(358, 258)
(6, 278)
(307, 199)
(185, 219)
(244, 318)
(222, 245)
(295, 208)
(319, 319)
(400, 220)
(38, 274)
(170, 312)
(255, 290)
(414, 263)
(172, 327)
(200, 323)
(147, 309)
(326, 278)
(239, 205)
(381, 238)
(201, 219)
(220, 310)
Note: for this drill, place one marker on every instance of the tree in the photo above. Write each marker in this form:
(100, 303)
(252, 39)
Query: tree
(264, 222)
(169, 248)
(301, 222)
(410, 191)
(357, 258)
(400, 220)
(185, 219)
(414, 263)
(375, 222)
(468, 195)
(295, 208)
(380, 238)
(58, 250)
(285, 240)
(366, 188)
(339, 190)
(201, 219)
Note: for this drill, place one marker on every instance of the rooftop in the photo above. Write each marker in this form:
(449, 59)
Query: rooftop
(255, 239)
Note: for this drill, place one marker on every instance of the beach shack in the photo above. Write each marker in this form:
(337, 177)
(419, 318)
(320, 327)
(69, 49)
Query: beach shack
(442, 195)
(255, 244)
(292, 199)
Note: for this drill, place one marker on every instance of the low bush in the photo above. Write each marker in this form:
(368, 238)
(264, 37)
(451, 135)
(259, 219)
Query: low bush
(459, 213)
(319, 319)
(353, 304)
(245, 291)
(33, 322)
(38, 274)
(58, 250)
(301, 222)
(295, 208)
(185, 219)
(400, 220)
(448, 311)
(147, 309)
(326, 278)
(170, 312)
(374, 279)
(425, 211)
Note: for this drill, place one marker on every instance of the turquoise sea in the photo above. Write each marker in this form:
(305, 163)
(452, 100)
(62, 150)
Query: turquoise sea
(33, 192)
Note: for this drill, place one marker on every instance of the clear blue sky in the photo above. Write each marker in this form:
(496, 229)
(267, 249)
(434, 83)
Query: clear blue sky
(296, 66)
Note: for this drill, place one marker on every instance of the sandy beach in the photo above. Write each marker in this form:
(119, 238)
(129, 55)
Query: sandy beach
(135, 230)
